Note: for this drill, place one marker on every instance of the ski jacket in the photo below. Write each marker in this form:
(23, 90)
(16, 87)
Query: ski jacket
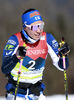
(34, 61)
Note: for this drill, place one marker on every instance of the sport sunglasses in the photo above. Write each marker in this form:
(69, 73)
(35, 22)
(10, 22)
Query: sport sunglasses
(35, 27)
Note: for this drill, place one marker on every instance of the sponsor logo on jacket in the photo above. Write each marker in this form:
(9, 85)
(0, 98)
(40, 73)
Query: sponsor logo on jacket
(36, 52)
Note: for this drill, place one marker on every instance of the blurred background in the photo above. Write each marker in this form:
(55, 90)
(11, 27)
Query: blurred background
(58, 16)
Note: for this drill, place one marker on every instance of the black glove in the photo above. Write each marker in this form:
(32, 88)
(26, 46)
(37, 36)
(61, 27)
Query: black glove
(21, 52)
(64, 49)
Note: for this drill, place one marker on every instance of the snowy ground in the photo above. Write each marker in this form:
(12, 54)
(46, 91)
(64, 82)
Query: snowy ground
(54, 97)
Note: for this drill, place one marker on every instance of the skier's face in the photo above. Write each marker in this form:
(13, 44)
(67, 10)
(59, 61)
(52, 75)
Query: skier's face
(35, 29)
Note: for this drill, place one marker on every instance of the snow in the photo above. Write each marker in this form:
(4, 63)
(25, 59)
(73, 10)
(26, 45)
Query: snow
(59, 97)
(54, 97)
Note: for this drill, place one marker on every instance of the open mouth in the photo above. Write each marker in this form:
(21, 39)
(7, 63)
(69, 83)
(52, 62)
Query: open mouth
(37, 34)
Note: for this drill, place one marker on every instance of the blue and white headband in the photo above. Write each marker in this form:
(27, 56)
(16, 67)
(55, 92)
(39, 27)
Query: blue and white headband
(31, 17)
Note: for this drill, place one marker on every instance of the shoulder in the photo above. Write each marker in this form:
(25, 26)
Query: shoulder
(48, 35)
(18, 34)
(51, 42)
(13, 39)
(50, 38)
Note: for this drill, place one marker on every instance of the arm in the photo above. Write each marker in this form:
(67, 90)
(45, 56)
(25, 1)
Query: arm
(53, 52)
(9, 55)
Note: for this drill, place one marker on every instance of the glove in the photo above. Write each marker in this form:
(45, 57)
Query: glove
(21, 52)
(64, 48)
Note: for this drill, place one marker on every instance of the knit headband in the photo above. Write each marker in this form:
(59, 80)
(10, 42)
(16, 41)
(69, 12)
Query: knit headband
(31, 17)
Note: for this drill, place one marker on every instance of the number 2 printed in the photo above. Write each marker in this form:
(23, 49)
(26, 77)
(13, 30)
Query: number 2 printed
(33, 63)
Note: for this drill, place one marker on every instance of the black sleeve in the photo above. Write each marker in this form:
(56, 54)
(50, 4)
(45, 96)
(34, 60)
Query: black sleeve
(9, 63)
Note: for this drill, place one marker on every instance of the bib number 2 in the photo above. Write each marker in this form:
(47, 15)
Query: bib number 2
(32, 62)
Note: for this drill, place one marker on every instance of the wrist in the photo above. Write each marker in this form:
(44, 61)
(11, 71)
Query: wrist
(19, 57)
(15, 59)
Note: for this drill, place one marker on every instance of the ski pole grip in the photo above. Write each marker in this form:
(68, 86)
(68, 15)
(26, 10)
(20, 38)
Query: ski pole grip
(64, 64)
(21, 62)
(62, 42)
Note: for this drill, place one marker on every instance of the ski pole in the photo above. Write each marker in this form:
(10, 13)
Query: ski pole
(65, 74)
(65, 78)
(19, 72)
